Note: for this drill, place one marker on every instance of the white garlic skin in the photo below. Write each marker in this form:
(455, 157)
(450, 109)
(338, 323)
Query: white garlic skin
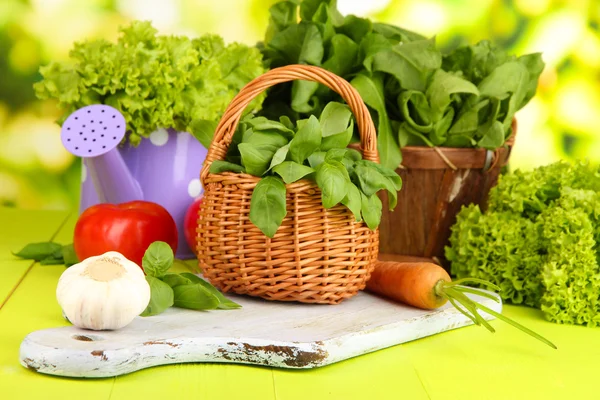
(104, 292)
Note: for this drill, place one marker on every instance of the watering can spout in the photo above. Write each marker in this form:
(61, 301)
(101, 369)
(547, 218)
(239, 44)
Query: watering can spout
(93, 133)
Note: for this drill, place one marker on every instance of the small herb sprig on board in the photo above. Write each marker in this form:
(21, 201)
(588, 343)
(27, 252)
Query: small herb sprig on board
(184, 290)
(314, 149)
(49, 253)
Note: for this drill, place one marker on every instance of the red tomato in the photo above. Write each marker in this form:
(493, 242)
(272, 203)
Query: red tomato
(191, 223)
(128, 228)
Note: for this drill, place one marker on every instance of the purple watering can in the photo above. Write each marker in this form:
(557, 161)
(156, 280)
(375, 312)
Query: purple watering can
(164, 168)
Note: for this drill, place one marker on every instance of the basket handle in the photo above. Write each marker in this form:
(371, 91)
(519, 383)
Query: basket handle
(230, 119)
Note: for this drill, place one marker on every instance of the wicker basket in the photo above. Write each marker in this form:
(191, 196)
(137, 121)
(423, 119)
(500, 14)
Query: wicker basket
(318, 255)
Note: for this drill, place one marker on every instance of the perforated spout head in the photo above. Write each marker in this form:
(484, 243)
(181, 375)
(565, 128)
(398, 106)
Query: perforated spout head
(93, 130)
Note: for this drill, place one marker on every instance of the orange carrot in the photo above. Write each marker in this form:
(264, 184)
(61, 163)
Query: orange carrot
(410, 283)
(428, 286)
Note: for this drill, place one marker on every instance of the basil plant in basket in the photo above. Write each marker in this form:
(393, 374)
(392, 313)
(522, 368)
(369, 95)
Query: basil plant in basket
(282, 152)
(419, 95)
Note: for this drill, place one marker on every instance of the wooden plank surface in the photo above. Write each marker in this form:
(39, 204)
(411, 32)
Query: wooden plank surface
(467, 363)
(19, 227)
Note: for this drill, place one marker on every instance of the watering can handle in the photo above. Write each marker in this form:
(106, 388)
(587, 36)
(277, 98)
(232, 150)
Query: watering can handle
(229, 122)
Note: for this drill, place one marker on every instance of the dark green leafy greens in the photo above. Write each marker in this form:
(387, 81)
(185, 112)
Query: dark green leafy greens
(154, 80)
(314, 149)
(49, 253)
(184, 290)
(418, 95)
(539, 241)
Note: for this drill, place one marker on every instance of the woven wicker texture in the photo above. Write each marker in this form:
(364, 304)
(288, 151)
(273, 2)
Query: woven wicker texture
(317, 255)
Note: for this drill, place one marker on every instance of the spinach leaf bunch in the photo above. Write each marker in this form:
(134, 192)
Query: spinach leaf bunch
(539, 240)
(281, 152)
(418, 95)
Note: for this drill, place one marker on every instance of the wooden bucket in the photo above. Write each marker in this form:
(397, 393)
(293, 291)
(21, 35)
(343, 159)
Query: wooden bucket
(436, 182)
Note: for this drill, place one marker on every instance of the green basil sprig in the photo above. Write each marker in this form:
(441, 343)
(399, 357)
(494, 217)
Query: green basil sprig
(49, 253)
(184, 290)
(315, 149)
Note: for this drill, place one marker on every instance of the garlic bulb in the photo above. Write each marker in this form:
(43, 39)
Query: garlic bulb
(103, 292)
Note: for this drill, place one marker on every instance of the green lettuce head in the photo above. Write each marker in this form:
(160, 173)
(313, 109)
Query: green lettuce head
(154, 81)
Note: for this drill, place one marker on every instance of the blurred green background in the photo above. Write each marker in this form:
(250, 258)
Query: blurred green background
(561, 122)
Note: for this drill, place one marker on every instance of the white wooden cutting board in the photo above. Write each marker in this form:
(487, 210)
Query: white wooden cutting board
(288, 335)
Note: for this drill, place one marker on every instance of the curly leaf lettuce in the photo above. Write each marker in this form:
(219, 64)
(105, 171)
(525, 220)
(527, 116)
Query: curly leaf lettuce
(154, 81)
(539, 241)
(500, 247)
(570, 274)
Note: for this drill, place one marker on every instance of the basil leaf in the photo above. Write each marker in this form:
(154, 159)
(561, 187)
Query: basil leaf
(349, 165)
(264, 124)
(268, 205)
(371, 91)
(333, 180)
(396, 33)
(194, 297)
(312, 47)
(291, 171)
(371, 210)
(306, 141)
(387, 172)
(52, 261)
(255, 160)
(442, 86)
(411, 63)
(340, 140)
(283, 14)
(157, 259)
(343, 55)
(287, 122)
(219, 166)
(316, 158)
(336, 154)
(468, 118)
(335, 118)
(280, 156)
(265, 140)
(69, 256)
(439, 134)
(493, 137)
(535, 65)
(407, 135)
(175, 280)
(224, 303)
(203, 130)
(370, 45)
(161, 297)
(303, 97)
(355, 27)
(353, 155)
(414, 108)
(38, 251)
(460, 141)
(353, 201)
(193, 278)
(371, 181)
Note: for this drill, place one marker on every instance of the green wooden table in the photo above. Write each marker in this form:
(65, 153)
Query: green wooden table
(467, 363)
